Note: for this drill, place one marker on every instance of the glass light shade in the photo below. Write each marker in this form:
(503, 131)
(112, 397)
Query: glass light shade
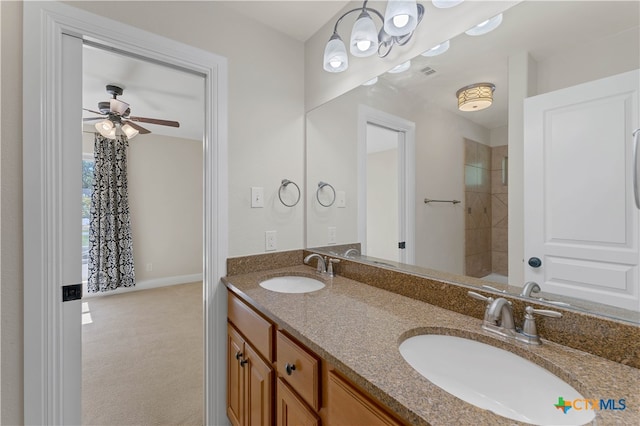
(486, 26)
(130, 131)
(106, 129)
(371, 82)
(445, 4)
(437, 50)
(118, 107)
(335, 55)
(400, 68)
(400, 17)
(364, 36)
(475, 97)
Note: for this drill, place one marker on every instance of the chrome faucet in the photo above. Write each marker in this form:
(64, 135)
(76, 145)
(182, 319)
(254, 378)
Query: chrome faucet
(530, 287)
(322, 265)
(498, 319)
(351, 251)
(500, 314)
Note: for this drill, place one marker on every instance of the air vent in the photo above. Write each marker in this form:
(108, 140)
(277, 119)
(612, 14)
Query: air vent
(427, 71)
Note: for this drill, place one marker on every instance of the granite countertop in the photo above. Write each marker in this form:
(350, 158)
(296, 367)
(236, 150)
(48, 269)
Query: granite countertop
(357, 328)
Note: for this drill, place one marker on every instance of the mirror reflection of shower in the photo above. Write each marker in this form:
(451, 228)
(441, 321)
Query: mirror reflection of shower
(486, 208)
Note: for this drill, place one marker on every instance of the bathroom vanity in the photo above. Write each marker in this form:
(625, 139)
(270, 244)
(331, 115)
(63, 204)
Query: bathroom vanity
(331, 356)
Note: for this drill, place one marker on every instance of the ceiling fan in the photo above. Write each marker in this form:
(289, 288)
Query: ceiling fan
(115, 112)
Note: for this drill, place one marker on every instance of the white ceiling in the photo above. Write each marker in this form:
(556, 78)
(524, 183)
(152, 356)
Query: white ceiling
(299, 19)
(542, 28)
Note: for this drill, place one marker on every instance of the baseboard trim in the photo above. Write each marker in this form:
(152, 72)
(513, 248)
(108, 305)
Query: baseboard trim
(146, 285)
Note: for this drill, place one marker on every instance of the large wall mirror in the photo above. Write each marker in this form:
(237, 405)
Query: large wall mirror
(395, 161)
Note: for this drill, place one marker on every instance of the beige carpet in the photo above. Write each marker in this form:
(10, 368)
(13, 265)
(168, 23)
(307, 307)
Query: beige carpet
(142, 357)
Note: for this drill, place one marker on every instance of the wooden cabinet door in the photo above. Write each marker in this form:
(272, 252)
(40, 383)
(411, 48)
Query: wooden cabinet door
(348, 406)
(291, 410)
(259, 384)
(235, 391)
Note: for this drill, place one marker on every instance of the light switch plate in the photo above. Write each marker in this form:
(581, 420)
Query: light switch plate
(341, 199)
(257, 197)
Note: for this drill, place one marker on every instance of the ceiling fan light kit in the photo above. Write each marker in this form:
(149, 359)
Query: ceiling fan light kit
(116, 115)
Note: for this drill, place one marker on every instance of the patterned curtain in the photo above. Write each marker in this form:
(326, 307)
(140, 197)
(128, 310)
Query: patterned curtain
(110, 243)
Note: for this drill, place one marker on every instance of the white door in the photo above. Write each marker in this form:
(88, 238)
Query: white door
(386, 205)
(581, 221)
(385, 188)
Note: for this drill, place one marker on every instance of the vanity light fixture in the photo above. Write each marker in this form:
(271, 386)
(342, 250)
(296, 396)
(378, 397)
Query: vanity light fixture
(399, 22)
(400, 68)
(485, 26)
(445, 4)
(437, 50)
(475, 97)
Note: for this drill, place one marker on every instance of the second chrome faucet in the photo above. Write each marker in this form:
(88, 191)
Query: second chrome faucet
(498, 319)
(324, 266)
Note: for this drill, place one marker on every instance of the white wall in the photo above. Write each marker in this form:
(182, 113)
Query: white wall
(266, 111)
(266, 140)
(440, 227)
(165, 197)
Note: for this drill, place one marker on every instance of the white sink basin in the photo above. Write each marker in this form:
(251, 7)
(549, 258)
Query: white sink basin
(494, 379)
(292, 284)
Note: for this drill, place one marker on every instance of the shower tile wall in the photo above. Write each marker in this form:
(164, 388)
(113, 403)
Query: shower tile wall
(478, 217)
(499, 210)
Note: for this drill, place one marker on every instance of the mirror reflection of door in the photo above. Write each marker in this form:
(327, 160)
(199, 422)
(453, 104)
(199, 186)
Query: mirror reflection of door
(384, 193)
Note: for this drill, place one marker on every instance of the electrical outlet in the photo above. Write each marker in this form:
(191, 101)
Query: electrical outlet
(149, 267)
(270, 241)
(332, 235)
(257, 197)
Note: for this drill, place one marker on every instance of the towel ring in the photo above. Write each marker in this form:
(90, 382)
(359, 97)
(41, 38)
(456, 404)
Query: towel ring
(320, 186)
(284, 184)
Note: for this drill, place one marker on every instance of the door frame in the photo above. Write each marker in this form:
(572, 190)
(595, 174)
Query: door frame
(43, 121)
(407, 180)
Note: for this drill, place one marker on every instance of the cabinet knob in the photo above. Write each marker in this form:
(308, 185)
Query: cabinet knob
(238, 355)
(243, 362)
(289, 368)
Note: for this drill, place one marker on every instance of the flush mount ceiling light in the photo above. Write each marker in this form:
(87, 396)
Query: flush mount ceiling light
(437, 50)
(445, 4)
(398, 24)
(475, 97)
(486, 26)
(400, 68)
(371, 82)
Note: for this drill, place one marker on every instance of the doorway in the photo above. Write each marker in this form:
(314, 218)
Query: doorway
(139, 342)
(53, 38)
(386, 185)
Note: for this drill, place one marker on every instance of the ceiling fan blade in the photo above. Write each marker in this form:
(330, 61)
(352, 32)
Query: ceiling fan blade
(93, 118)
(95, 112)
(155, 121)
(139, 128)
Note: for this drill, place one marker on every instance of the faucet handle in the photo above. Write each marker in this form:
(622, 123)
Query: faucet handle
(529, 330)
(480, 297)
(330, 267)
(544, 312)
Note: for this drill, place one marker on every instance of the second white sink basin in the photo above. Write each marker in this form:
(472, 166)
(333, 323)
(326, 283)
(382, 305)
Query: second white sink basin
(292, 284)
(494, 379)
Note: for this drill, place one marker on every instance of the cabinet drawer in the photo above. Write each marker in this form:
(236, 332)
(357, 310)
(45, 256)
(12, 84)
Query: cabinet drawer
(256, 329)
(299, 368)
(348, 406)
